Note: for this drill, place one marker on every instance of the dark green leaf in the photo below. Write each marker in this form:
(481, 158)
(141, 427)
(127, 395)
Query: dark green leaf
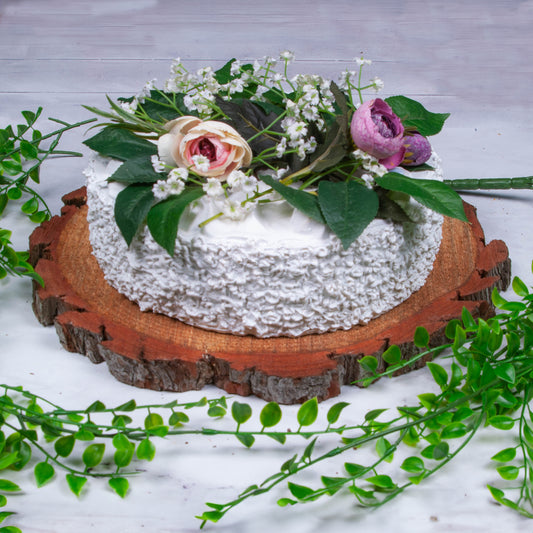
(64, 445)
(308, 412)
(10, 529)
(392, 355)
(28, 150)
(223, 75)
(454, 430)
(415, 116)
(96, 407)
(216, 411)
(241, 412)
(506, 372)
(508, 472)
(354, 469)
(369, 363)
(421, 337)
(127, 407)
(163, 218)
(120, 144)
(348, 208)
(270, 415)
(497, 300)
(8, 459)
(135, 171)
(120, 485)
(43, 472)
(382, 482)
(300, 491)
(433, 194)
(413, 465)
(3, 516)
(335, 410)
(246, 439)
(131, 207)
(30, 206)
(158, 108)
(93, 454)
(333, 484)
(439, 374)
(279, 437)
(306, 455)
(76, 483)
(450, 328)
(303, 201)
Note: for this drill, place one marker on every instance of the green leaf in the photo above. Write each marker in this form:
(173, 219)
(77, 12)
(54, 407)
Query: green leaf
(450, 328)
(355, 470)
(8, 486)
(454, 430)
(369, 363)
(433, 194)
(3, 500)
(392, 355)
(382, 449)
(3, 516)
(382, 481)
(497, 300)
(8, 459)
(306, 455)
(120, 144)
(223, 75)
(506, 372)
(440, 451)
(508, 472)
(519, 287)
(421, 337)
(31, 206)
(127, 407)
(146, 450)
(300, 491)
(504, 456)
(308, 412)
(501, 422)
(246, 439)
(76, 483)
(415, 116)
(96, 407)
(270, 415)
(10, 529)
(468, 319)
(279, 437)
(43, 472)
(153, 420)
(439, 374)
(348, 208)
(333, 484)
(135, 171)
(178, 418)
(163, 218)
(303, 201)
(131, 207)
(216, 411)
(93, 454)
(120, 485)
(413, 465)
(28, 150)
(211, 516)
(241, 412)
(335, 411)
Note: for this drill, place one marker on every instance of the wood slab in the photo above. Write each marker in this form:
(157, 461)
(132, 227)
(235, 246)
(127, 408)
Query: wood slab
(153, 351)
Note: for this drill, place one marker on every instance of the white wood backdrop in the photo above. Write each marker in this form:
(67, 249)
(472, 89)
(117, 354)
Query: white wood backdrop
(472, 59)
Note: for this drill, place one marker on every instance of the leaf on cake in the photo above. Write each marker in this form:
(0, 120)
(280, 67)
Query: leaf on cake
(136, 171)
(348, 208)
(303, 201)
(431, 193)
(415, 116)
(120, 144)
(131, 207)
(163, 218)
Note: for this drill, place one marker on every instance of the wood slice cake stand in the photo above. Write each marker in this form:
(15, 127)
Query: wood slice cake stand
(149, 350)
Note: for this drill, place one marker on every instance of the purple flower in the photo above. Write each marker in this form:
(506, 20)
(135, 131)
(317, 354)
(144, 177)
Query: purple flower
(379, 132)
(417, 150)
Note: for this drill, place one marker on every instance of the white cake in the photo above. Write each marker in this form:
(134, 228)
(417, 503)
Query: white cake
(276, 273)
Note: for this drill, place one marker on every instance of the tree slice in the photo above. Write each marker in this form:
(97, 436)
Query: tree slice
(149, 350)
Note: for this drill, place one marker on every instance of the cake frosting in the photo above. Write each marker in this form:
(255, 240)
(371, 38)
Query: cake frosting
(275, 273)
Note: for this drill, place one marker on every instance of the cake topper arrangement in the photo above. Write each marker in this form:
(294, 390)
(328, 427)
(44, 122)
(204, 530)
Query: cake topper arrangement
(247, 134)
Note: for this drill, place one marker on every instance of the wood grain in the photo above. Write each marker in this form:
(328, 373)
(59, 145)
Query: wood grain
(150, 350)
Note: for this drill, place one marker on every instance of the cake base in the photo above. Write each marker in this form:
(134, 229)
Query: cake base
(153, 351)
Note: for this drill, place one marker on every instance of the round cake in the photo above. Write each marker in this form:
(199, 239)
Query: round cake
(275, 273)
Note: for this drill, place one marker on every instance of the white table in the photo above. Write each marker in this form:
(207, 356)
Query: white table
(470, 59)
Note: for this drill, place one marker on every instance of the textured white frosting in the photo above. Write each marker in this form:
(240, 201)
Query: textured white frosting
(277, 273)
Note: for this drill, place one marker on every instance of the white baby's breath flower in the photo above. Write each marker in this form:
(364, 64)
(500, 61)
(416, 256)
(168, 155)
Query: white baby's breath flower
(157, 164)
(145, 91)
(129, 107)
(281, 147)
(213, 188)
(362, 62)
(287, 55)
(377, 83)
(235, 179)
(159, 189)
(235, 210)
(236, 86)
(235, 67)
(175, 185)
(179, 173)
(201, 163)
(297, 130)
(369, 180)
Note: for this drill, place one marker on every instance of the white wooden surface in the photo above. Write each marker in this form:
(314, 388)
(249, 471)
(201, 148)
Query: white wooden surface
(468, 58)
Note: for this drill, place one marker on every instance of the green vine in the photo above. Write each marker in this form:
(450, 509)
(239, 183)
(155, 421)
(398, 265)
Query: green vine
(23, 149)
(485, 383)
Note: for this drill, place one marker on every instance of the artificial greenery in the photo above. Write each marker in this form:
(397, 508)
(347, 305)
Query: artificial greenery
(486, 383)
(23, 148)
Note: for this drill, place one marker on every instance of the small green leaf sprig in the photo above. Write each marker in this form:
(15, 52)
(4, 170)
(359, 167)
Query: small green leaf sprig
(483, 380)
(23, 149)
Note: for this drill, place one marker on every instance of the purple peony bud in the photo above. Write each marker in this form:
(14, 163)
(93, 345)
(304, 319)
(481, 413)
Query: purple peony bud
(417, 150)
(379, 132)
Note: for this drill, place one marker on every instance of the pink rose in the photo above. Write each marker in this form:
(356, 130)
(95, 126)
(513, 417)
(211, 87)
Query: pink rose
(417, 150)
(218, 144)
(379, 132)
